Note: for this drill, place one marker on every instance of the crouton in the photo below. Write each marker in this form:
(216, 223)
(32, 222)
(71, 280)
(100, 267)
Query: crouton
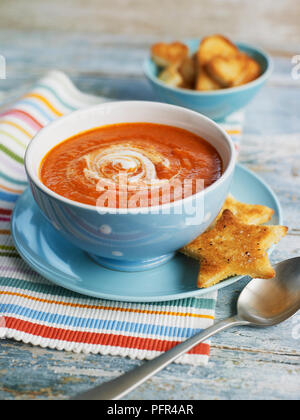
(250, 214)
(188, 71)
(205, 82)
(165, 55)
(234, 248)
(214, 46)
(251, 71)
(171, 77)
(225, 70)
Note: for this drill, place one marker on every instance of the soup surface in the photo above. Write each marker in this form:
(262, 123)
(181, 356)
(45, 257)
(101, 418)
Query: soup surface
(131, 165)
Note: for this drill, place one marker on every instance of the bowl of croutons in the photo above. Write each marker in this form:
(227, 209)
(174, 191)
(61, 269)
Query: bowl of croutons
(213, 76)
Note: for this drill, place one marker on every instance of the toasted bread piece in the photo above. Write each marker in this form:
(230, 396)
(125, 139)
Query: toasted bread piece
(252, 71)
(188, 72)
(250, 214)
(214, 46)
(205, 82)
(171, 77)
(226, 70)
(165, 55)
(234, 248)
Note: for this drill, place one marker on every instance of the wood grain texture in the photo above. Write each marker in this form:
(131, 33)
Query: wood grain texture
(245, 363)
(275, 24)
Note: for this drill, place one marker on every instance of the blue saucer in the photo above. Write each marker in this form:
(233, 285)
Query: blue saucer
(42, 247)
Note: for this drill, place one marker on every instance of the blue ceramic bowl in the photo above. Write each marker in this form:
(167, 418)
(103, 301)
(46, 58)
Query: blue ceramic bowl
(214, 104)
(130, 239)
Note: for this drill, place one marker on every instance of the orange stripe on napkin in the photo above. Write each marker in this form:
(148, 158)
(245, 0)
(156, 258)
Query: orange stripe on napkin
(99, 338)
(13, 124)
(107, 308)
(45, 101)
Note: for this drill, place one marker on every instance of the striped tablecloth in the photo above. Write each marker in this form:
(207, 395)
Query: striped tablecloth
(35, 311)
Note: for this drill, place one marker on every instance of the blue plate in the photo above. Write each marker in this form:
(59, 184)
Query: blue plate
(42, 247)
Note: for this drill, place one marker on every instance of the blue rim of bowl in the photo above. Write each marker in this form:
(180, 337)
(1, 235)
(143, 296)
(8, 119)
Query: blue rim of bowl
(261, 79)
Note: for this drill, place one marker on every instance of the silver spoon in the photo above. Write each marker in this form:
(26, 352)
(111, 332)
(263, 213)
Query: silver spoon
(263, 303)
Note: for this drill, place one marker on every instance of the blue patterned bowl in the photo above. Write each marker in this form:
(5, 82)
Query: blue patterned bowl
(130, 239)
(216, 104)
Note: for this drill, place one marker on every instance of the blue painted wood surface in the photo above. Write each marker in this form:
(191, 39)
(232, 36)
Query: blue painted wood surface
(245, 363)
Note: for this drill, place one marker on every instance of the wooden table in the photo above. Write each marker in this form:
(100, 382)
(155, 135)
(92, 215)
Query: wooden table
(245, 363)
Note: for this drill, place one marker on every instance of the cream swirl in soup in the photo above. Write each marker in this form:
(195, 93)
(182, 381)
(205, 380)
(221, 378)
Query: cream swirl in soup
(138, 164)
(141, 155)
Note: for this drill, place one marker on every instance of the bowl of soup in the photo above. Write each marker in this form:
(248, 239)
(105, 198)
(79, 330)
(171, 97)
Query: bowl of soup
(132, 182)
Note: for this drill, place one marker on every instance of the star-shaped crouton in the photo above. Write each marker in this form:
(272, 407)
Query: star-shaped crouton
(251, 214)
(233, 248)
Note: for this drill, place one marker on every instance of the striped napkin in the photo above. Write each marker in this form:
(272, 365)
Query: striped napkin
(35, 311)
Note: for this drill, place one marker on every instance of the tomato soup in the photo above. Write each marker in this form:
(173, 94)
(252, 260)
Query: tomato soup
(129, 160)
